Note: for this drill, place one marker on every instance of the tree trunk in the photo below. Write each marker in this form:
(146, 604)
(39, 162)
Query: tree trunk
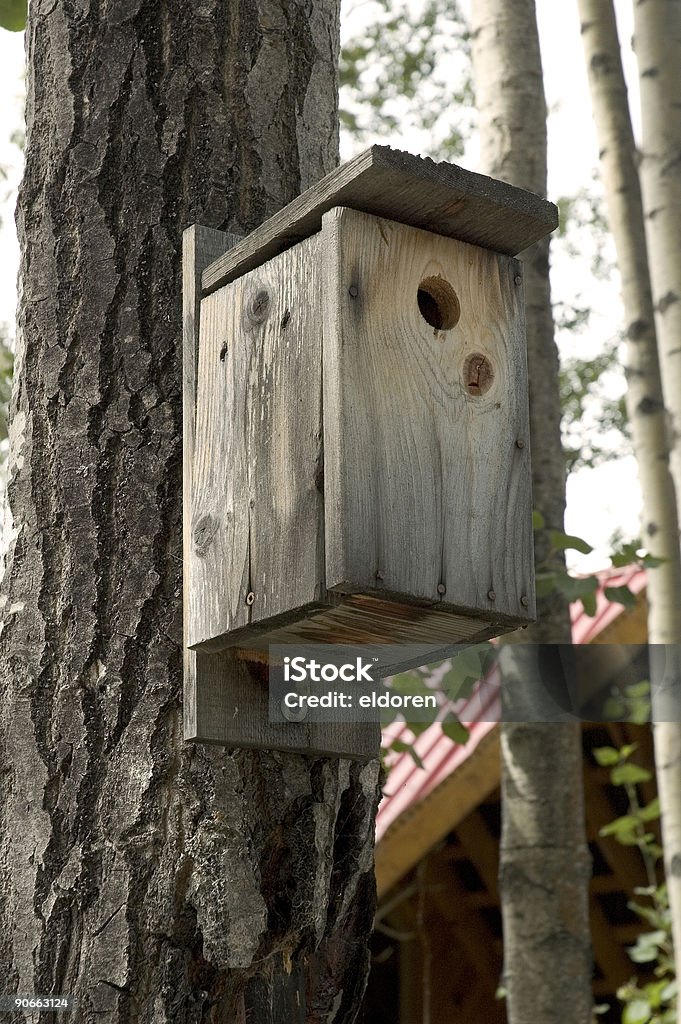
(645, 404)
(545, 862)
(657, 43)
(154, 881)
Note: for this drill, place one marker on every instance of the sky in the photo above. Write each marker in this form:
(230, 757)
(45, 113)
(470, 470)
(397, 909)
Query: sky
(600, 501)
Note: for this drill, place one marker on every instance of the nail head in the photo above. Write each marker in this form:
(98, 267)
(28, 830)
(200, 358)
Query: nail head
(293, 714)
(491, 595)
(250, 597)
(441, 588)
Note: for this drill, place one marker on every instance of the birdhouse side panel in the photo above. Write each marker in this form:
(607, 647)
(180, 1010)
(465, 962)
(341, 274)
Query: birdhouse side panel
(428, 491)
(257, 540)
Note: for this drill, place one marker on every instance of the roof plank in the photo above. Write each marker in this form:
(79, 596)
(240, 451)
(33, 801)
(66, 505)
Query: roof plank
(439, 197)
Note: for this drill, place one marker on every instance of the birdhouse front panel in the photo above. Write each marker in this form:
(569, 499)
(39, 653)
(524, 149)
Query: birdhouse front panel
(427, 469)
(361, 464)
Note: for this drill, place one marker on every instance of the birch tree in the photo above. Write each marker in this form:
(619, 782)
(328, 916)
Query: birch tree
(151, 880)
(545, 864)
(658, 51)
(645, 404)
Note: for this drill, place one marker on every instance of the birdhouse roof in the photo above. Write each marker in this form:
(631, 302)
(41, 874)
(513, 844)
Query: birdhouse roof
(439, 197)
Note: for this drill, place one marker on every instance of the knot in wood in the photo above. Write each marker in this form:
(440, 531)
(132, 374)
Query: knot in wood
(478, 374)
(258, 307)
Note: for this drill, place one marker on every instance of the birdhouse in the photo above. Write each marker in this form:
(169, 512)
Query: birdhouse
(359, 463)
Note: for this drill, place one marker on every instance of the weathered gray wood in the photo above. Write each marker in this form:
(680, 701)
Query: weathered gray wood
(439, 197)
(257, 540)
(200, 245)
(233, 710)
(226, 698)
(427, 482)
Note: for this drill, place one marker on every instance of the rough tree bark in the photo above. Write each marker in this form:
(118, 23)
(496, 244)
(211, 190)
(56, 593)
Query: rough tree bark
(657, 42)
(545, 863)
(152, 880)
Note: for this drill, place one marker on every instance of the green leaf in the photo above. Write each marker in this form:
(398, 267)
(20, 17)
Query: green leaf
(606, 756)
(628, 839)
(614, 710)
(652, 562)
(621, 595)
(626, 824)
(649, 914)
(641, 689)
(636, 1012)
(455, 730)
(13, 15)
(406, 748)
(575, 587)
(563, 541)
(537, 520)
(589, 604)
(670, 990)
(651, 812)
(653, 991)
(629, 773)
(545, 583)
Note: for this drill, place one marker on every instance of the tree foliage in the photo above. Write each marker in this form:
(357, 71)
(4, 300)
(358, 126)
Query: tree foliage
(407, 69)
(651, 1002)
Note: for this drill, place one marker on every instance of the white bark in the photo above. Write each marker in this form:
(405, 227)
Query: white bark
(645, 406)
(658, 50)
(544, 858)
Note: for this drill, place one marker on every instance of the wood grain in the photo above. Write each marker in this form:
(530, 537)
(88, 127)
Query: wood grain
(257, 541)
(225, 697)
(427, 481)
(200, 245)
(439, 197)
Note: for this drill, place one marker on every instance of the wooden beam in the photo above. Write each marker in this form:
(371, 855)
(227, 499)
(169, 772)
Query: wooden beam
(422, 826)
(482, 849)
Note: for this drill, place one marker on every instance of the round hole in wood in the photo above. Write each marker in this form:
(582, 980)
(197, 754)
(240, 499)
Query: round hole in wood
(438, 303)
(478, 374)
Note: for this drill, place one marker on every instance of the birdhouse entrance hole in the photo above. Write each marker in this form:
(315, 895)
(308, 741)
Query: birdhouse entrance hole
(438, 303)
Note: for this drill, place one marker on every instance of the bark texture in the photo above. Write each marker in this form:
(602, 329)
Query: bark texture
(154, 881)
(657, 42)
(645, 404)
(545, 864)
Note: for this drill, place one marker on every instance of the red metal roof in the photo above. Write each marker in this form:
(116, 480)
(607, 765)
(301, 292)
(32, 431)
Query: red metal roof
(408, 782)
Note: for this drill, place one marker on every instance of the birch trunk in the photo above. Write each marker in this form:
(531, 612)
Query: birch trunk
(154, 881)
(545, 863)
(645, 404)
(658, 51)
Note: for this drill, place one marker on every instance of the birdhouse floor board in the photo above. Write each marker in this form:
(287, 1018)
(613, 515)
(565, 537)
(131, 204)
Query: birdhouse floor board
(439, 197)
(364, 620)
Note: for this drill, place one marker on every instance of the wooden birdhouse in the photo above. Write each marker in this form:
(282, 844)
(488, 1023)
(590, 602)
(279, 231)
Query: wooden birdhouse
(357, 464)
